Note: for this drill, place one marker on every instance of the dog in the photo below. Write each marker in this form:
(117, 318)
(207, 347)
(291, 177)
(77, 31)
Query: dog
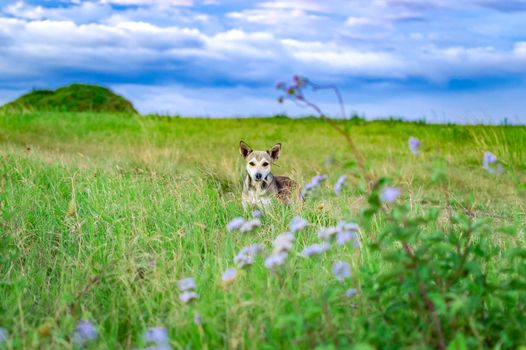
(260, 186)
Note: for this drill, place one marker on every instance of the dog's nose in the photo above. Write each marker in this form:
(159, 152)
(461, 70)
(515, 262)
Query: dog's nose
(258, 176)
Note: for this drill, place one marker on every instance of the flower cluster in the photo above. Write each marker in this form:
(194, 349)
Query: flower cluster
(243, 225)
(414, 145)
(342, 233)
(187, 288)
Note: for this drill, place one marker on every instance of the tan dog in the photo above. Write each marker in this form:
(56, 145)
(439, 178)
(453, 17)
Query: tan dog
(260, 185)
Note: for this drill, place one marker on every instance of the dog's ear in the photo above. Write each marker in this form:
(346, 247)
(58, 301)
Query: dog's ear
(244, 149)
(274, 151)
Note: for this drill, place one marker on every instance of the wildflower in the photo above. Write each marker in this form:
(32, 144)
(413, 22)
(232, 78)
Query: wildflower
(280, 85)
(326, 233)
(157, 335)
(389, 194)
(315, 249)
(235, 224)
(346, 236)
(347, 226)
(297, 223)
(229, 276)
(246, 255)
(414, 145)
(351, 292)
(339, 184)
(314, 182)
(84, 332)
(275, 259)
(250, 225)
(256, 214)
(341, 270)
(489, 159)
(198, 320)
(3, 335)
(283, 242)
(188, 296)
(186, 284)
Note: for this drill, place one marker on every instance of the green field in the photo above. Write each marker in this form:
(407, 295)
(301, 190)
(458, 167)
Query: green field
(101, 215)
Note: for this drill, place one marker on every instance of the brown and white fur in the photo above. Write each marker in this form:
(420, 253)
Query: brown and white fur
(260, 186)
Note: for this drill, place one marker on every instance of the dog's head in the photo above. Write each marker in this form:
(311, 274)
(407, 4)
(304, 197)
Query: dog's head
(259, 163)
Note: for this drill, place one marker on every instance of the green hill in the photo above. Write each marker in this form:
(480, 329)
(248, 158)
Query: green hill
(72, 98)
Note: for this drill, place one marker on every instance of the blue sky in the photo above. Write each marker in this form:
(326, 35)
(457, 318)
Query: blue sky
(441, 60)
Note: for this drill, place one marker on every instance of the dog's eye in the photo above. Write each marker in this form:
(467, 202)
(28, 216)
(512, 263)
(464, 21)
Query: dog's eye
(265, 164)
(252, 163)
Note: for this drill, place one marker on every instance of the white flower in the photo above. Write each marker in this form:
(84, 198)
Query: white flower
(351, 292)
(229, 276)
(389, 194)
(250, 225)
(341, 270)
(186, 284)
(315, 249)
(326, 233)
(339, 184)
(414, 145)
(297, 223)
(188, 296)
(275, 259)
(235, 224)
(283, 242)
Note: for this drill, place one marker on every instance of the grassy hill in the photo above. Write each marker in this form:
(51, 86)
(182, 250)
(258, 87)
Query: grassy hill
(72, 98)
(102, 214)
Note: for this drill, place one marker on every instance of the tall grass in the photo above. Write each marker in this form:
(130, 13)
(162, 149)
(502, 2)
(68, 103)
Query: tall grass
(100, 215)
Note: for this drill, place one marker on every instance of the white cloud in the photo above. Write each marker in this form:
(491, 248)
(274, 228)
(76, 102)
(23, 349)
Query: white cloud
(150, 2)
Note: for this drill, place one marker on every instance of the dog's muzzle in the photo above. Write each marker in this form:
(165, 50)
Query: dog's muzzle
(258, 176)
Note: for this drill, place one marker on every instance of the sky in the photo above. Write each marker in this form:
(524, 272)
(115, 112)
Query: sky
(435, 60)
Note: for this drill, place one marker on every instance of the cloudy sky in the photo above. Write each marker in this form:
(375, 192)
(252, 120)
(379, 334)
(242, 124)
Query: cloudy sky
(442, 60)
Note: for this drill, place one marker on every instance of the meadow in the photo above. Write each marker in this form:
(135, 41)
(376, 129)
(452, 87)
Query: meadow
(102, 214)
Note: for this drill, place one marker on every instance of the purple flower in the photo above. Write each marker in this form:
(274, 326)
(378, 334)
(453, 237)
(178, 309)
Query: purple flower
(326, 233)
(250, 225)
(283, 242)
(347, 226)
(414, 145)
(84, 332)
(339, 184)
(341, 270)
(346, 236)
(389, 194)
(235, 224)
(315, 249)
(314, 182)
(188, 296)
(229, 276)
(198, 320)
(247, 255)
(186, 284)
(280, 85)
(157, 335)
(256, 214)
(3, 335)
(275, 260)
(297, 223)
(351, 292)
(489, 159)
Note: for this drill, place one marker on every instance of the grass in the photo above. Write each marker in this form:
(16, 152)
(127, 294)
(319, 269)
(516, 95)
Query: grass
(89, 201)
